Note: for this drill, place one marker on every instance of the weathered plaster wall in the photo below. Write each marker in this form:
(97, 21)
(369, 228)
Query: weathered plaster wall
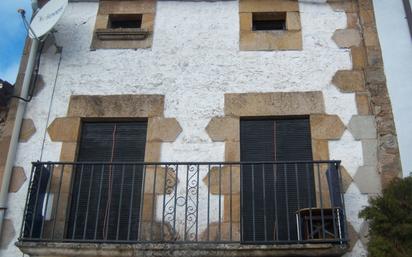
(194, 61)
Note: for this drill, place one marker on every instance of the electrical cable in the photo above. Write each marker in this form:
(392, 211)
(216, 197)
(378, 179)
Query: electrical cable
(50, 105)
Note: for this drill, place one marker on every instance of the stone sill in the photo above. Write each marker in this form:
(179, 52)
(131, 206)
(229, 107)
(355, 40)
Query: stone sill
(44, 249)
(121, 34)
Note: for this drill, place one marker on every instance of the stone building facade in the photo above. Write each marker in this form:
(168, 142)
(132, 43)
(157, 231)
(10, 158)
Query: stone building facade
(193, 71)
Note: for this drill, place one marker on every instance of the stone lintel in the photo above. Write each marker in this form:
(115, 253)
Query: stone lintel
(116, 106)
(126, 7)
(268, 6)
(273, 104)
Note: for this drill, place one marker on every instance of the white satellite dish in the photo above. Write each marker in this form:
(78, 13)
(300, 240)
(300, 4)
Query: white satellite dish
(47, 17)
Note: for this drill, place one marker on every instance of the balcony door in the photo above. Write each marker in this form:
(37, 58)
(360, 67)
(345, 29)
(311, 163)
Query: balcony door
(105, 199)
(272, 193)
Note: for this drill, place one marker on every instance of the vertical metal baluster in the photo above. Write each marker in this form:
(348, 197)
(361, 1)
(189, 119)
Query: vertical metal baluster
(253, 203)
(175, 204)
(164, 203)
(342, 197)
(57, 201)
(120, 204)
(310, 203)
(331, 196)
(142, 202)
(29, 188)
(220, 203)
(297, 185)
(51, 167)
(275, 179)
(105, 233)
(230, 203)
(287, 200)
(129, 222)
(298, 198)
(208, 203)
(197, 203)
(98, 203)
(35, 202)
(88, 202)
(153, 202)
(264, 203)
(77, 201)
(187, 193)
(321, 203)
(241, 202)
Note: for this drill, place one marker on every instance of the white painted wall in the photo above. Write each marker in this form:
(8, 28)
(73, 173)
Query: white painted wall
(396, 43)
(194, 61)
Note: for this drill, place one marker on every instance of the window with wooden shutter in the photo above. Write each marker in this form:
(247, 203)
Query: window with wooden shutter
(105, 202)
(272, 193)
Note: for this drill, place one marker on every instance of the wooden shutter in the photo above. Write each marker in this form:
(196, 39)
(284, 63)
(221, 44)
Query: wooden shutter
(112, 187)
(272, 193)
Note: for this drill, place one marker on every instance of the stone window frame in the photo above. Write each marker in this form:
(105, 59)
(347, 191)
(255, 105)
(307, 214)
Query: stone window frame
(67, 130)
(324, 127)
(289, 39)
(124, 38)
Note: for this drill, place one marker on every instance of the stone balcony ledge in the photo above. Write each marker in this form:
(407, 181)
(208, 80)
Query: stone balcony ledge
(49, 249)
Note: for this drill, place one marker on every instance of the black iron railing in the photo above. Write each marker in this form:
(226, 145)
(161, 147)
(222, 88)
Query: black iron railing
(250, 203)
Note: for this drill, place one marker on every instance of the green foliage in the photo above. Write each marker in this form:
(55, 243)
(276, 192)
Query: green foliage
(390, 221)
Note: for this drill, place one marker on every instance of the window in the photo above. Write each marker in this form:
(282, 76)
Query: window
(269, 25)
(130, 21)
(273, 193)
(269, 21)
(107, 198)
(124, 24)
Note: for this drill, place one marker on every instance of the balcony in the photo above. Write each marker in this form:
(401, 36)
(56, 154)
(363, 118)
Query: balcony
(195, 209)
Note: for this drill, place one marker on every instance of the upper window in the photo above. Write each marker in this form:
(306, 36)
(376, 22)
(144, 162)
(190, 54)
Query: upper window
(269, 21)
(269, 25)
(124, 24)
